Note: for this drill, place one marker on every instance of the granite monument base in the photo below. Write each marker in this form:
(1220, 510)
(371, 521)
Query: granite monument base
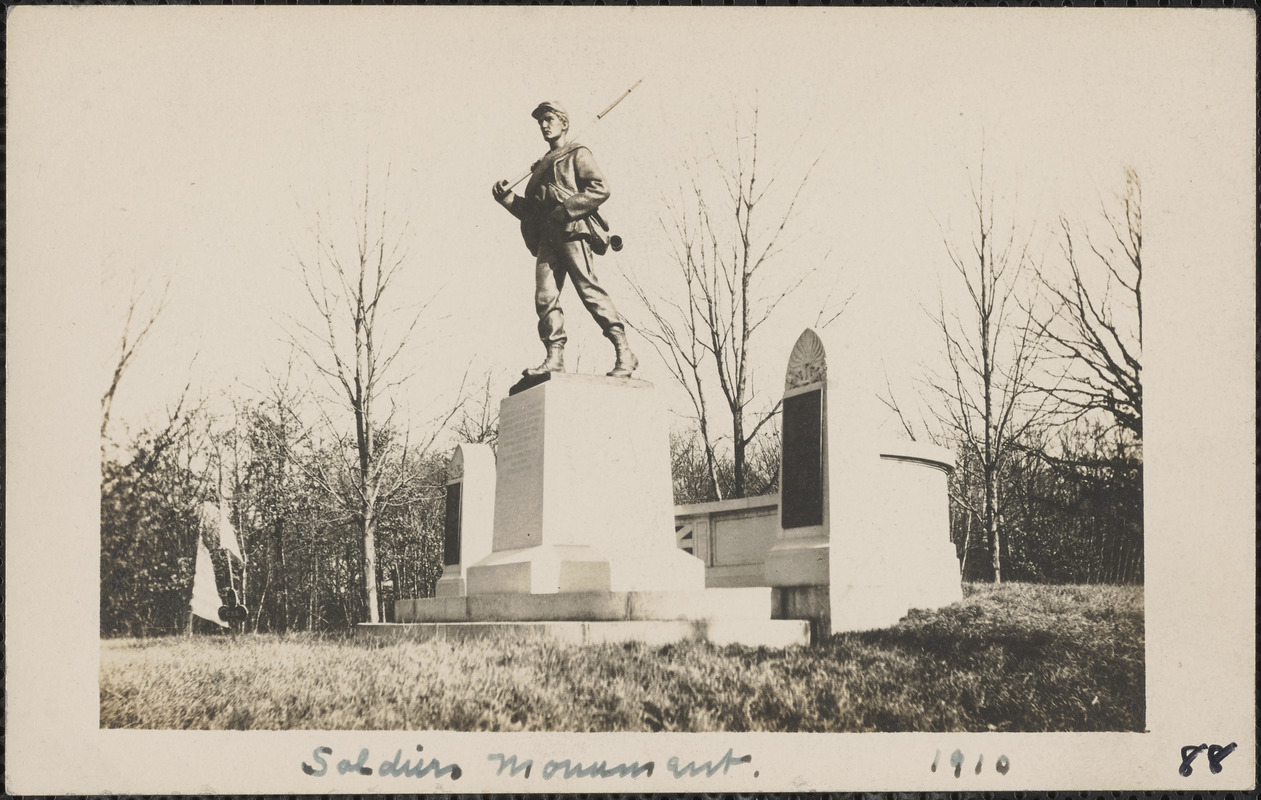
(809, 603)
(750, 633)
(721, 616)
(797, 562)
(450, 586)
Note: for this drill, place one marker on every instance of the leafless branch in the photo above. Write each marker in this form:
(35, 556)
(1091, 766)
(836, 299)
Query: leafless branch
(129, 345)
(721, 253)
(1097, 330)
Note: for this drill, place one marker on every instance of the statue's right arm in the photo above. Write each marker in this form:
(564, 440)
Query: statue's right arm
(507, 198)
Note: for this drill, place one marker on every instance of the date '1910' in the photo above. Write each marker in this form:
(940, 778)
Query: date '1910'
(1002, 765)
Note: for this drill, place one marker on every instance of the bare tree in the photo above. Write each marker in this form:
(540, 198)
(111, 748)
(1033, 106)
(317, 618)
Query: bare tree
(723, 250)
(480, 424)
(128, 346)
(1097, 331)
(352, 352)
(989, 397)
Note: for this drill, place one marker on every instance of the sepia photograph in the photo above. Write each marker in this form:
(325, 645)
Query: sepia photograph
(650, 400)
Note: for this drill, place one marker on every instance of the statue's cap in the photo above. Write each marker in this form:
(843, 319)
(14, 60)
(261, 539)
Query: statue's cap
(549, 105)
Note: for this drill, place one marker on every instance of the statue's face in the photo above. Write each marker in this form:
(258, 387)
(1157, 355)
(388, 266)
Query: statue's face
(552, 125)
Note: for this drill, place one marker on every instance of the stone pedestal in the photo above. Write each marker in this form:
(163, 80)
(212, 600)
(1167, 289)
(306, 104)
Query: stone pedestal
(584, 544)
(469, 515)
(583, 498)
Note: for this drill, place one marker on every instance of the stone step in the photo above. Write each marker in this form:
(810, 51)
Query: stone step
(746, 603)
(747, 632)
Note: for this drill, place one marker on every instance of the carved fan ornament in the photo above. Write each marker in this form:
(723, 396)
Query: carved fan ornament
(807, 364)
(455, 469)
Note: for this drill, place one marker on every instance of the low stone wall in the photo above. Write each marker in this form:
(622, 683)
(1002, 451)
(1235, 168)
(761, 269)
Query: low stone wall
(731, 537)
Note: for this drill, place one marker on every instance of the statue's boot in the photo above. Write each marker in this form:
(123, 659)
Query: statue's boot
(555, 361)
(626, 361)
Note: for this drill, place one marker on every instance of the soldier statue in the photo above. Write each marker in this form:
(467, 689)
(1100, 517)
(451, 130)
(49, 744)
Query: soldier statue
(562, 227)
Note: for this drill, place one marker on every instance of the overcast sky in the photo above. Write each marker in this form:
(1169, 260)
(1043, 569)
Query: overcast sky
(198, 145)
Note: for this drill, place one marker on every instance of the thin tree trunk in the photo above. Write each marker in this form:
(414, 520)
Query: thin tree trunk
(710, 465)
(262, 600)
(278, 560)
(370, 566)
(398, 590)
(315, 582)
(967, 542)
(991, 520)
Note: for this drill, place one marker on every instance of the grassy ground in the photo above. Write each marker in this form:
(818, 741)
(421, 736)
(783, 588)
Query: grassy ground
(1017, 658)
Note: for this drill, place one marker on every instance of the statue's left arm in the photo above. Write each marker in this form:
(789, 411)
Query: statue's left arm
(592, 190)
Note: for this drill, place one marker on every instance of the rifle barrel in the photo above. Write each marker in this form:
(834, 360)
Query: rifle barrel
(598, 117)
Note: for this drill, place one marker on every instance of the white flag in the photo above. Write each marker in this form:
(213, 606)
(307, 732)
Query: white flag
(206, 600)
(215, 517)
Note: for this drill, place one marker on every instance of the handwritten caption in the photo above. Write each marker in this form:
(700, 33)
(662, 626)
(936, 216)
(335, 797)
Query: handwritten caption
(417, 766)
(1002, 765)
(515, 766)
